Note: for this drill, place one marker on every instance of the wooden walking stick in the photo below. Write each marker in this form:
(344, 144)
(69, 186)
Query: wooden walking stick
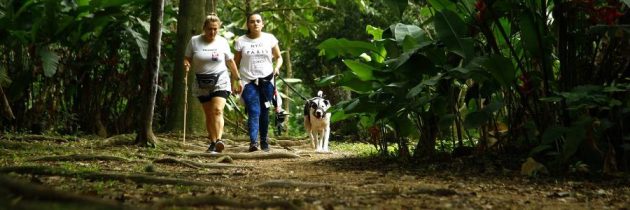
(185, 100)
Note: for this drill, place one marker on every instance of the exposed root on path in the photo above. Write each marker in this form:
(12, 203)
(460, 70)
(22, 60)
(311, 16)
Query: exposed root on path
(39, 138)
(224, 159)
(438, 192)
(50, 171)
(292, 138)
(31, 191)
(82, 157)
(292, 143)
(435, 192)
(196, 165)
(236, 156)
(212, 200)
(283, 183)
(129, 139)
(15, 145)
(314, 152)
(177, 161)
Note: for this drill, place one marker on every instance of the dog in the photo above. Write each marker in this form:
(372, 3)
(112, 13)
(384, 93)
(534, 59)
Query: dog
(317, 121)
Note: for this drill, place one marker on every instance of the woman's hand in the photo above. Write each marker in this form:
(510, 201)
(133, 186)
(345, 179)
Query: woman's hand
(187, 64)
(237, 89)
(276, 72)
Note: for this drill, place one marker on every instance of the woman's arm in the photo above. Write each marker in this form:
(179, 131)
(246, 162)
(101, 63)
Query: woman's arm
(277, 58)
(236, 78)
(237, 59)
(238, 87)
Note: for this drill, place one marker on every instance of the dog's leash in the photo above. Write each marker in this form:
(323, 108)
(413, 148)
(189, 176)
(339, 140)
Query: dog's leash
(293, 89)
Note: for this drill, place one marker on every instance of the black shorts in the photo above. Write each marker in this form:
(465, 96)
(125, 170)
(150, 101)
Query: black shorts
(221, 93)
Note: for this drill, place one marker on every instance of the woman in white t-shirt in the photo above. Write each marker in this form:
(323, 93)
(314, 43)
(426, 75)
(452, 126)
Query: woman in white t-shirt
(255, 55)
(210, 57)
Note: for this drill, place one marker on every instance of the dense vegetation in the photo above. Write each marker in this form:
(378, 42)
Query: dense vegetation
(548, 79)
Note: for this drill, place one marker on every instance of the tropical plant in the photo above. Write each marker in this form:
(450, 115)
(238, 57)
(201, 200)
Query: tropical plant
(497, 69)
(64, 56)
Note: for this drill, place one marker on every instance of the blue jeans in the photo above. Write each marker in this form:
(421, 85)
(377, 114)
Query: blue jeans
(257, 113)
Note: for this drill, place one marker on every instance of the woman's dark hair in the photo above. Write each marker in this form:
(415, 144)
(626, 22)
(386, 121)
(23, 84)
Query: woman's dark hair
(247, 19)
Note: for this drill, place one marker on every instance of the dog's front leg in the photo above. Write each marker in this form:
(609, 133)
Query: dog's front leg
(313, 136)
(309, 130)
(326, 136)
(318, 140)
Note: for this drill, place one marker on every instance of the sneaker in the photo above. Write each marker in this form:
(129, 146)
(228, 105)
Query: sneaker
(264, 145)
(212, 147)
(253, 148)
(219, 146)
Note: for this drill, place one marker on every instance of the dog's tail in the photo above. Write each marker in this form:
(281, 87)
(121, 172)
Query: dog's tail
(320, 94)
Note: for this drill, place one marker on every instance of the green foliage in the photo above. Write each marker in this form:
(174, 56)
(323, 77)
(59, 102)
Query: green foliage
(66, 55)
(361, 149)
(452, 30)
(332, 48)
(50, 61)
(480, 64)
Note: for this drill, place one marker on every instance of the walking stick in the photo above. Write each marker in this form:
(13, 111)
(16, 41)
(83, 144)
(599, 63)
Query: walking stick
(185, 100)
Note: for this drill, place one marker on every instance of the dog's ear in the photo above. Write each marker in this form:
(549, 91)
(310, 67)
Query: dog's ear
(327, 102)
(320, 94)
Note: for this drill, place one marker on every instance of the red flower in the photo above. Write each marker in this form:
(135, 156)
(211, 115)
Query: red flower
(480, 5)
(526, 84)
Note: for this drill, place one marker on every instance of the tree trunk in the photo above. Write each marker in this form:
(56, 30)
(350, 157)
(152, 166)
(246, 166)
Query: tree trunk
(189, 23)
(6, 107)
(428, 133)
(211, 6)
(289, 74)
(145, 135)
(559, 16)
(248, 7)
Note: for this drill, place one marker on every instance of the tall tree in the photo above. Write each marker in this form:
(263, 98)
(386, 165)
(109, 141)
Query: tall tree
(211, 6)
(145, 135)
(190, 20)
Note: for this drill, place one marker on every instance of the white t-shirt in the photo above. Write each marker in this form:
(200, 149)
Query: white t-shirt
(208, 58)
(257, 58)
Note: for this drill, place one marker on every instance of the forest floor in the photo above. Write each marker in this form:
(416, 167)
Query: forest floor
(40, 172)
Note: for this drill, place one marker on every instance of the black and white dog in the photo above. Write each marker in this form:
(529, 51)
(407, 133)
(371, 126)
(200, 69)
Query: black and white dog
(317, 121)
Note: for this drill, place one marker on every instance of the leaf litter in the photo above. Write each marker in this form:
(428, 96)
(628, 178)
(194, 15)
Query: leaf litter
(339, 180)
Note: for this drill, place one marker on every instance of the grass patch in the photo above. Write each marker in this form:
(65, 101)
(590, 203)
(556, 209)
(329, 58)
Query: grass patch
(360, 149)
(72, 166)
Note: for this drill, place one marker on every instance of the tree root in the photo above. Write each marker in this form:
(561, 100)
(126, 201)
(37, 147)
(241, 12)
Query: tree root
(283, 183)
(236, 138)
(82, 157)
(224, 159)
(439, 192)
(11, 145)
(40, 138)
(236, 156)
(292, 143)
(292, 138)
(119, 140)
(435, 192)
(31, 191)
(168, 143)
(314, 152)
(49, 171)
(182, 162)
(195, 165)
(212, 200)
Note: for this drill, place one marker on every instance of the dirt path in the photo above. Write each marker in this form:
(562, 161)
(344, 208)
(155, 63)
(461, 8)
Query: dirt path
(341, 180)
